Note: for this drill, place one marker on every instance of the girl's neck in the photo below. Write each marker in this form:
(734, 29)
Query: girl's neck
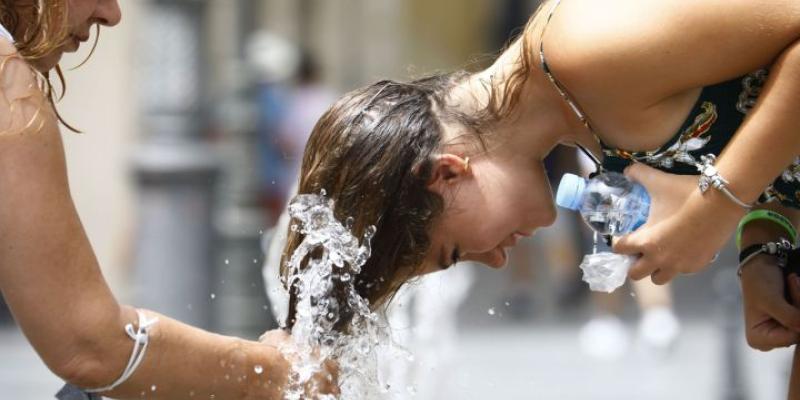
(541, 119)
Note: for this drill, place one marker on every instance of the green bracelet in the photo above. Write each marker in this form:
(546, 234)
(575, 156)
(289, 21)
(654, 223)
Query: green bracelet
(767, 215)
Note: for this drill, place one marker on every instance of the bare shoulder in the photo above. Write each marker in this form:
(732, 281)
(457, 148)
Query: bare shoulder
(24, 107)
(667, 46)
(30, 142)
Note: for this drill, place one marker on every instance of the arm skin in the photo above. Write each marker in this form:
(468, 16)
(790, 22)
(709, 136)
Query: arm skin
(53, 285)
(770, 321)
(644, 53)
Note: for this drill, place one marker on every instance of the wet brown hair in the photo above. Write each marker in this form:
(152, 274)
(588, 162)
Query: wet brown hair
(372, 152)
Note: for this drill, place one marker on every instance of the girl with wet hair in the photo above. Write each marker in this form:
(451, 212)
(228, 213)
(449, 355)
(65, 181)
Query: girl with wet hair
(49, 275)
(450, 167)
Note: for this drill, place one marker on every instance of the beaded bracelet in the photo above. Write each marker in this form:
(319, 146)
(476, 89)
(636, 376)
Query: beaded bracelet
(779, 249)
(766, 215)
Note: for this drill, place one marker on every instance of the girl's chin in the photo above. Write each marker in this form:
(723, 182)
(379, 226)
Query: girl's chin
(48, 62)
(499, 258)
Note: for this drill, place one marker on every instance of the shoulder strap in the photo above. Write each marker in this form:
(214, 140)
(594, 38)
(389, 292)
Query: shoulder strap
(563, 92)
(4, 33)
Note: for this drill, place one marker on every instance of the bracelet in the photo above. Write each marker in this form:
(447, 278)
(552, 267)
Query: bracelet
(779, 249)
(766, 215)
(710, 177)
(141, 338)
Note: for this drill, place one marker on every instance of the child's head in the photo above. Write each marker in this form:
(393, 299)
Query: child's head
(442, 166)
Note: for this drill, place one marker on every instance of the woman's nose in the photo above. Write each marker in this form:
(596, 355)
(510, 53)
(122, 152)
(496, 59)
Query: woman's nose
(108, 13)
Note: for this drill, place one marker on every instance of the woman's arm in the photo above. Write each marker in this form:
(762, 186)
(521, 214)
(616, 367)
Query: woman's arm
(53, 285)
(765, 144)
(648, 51)
(770, 319)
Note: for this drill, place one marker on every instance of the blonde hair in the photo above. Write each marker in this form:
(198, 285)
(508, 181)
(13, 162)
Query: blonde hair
(504, 95)
(39, 27)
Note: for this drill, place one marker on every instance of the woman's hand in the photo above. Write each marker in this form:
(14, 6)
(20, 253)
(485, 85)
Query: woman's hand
(324, 382)
(679, 236)
(770, 321)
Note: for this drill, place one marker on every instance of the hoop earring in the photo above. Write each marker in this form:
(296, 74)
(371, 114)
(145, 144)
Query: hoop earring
(466, 163)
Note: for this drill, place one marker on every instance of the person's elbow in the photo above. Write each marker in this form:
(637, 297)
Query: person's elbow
(87, 366)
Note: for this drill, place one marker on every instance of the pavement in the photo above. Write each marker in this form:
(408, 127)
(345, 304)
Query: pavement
(526, 361)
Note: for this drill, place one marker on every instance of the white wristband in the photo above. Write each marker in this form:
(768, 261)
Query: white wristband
(141, 338)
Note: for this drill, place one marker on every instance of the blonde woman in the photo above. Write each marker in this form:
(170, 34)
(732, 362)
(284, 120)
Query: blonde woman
(48, 273)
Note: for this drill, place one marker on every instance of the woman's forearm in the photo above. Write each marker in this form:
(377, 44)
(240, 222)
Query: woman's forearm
(765, 144)
(769, 139)
(54, 287)
(184, 362)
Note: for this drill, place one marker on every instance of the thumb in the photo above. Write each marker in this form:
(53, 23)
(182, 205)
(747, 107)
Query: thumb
(628, 244)
(785, 314)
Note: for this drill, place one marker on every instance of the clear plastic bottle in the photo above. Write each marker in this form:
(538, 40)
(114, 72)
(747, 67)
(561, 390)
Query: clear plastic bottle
(610, 203)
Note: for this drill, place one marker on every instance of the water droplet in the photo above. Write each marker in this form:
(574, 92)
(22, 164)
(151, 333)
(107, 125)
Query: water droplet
(508, 304)
(258, 369)
(227, 261)
(293, 227)
(345, 277)
(491, 311)
(323, 192)
(255, 261)
(273, 182)
(153, 388)
(213, 296)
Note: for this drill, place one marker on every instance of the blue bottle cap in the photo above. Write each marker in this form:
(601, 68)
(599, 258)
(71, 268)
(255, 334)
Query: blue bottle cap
(570, 191)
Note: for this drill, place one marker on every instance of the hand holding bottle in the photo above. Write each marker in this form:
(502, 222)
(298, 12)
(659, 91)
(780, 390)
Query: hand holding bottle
(685, 228)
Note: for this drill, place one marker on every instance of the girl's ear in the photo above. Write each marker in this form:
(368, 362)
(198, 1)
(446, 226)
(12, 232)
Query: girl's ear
(447, 169)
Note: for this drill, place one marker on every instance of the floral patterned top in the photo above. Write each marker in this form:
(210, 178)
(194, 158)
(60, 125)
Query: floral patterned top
(712, 122)
(716, 116)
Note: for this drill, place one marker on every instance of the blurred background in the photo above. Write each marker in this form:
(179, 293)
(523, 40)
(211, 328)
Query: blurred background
(195, 113)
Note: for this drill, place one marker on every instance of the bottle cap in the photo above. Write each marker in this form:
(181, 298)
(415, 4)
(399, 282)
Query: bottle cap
(570, 191)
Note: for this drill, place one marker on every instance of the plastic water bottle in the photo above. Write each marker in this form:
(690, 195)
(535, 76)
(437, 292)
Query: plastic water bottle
(610, 203)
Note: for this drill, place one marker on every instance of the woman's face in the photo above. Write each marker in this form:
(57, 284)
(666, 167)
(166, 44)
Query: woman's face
(490, 204)
(81, 15)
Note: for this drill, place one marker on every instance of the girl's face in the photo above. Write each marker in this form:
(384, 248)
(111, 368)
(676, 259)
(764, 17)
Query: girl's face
(81, 15)
(489, 205)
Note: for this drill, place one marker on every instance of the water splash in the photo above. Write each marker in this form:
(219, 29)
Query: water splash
(332, 321)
